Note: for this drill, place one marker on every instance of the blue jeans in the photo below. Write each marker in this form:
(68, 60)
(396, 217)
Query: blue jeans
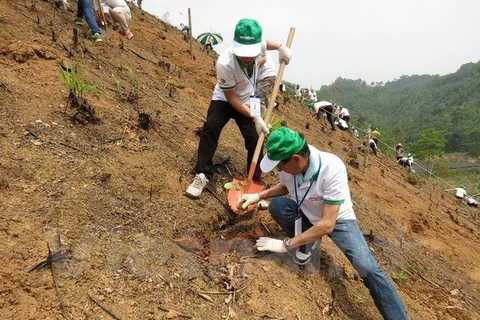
(84, 10)
(348, 238)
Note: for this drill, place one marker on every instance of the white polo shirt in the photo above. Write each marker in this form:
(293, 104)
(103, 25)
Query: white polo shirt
(232, 76)
(321, 104)
(460, 192)
(327, 176)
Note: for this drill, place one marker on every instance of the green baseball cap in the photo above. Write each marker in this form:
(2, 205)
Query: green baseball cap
(247, 41)
(282, 144)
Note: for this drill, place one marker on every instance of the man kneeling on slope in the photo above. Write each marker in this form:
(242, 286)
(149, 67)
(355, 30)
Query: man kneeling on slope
(320, 205)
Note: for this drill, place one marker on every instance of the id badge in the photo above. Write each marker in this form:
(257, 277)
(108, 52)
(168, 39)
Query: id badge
(255, 106)
(298, 225)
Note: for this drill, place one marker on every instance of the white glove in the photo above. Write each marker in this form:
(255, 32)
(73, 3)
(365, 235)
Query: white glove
(284, 53)
(260, 125)
(247, 199)
(270, 244)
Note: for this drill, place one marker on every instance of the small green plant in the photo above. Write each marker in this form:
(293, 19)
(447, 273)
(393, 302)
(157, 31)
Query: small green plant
(411, 179)
(239, 185)
(170, 85)
(132, 95)
(401, 277)
(76, 86)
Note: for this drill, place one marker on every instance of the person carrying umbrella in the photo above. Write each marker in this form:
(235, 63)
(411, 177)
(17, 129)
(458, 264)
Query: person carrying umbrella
(208, 44)
(237, 71)
(208, 40)
(312, 200)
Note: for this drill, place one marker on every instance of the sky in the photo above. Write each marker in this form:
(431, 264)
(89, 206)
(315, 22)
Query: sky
(372, 40)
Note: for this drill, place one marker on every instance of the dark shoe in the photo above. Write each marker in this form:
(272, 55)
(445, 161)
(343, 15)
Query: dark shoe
(78, 21)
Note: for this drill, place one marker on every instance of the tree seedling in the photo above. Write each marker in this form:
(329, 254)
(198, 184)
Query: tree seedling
(401, 277)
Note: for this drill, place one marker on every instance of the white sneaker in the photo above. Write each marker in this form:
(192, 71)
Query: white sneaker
(196, 188)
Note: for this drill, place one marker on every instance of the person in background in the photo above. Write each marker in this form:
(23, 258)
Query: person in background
(460, 192)
(375, 135)
(342, 124)
(354, 132)
(472, 202)
(118, 14)
(399, 151)
(185, 31)
(344, 114)
(406, 162)
(372, 145)
(318, 204)
(312, 96)
(84, 10)
(208, 44)
(237, 69)
(319, 108)
(298, 93)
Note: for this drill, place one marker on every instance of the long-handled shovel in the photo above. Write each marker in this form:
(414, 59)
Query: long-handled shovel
(242, 186)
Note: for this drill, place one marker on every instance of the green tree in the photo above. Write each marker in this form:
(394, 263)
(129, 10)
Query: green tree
(430, 146)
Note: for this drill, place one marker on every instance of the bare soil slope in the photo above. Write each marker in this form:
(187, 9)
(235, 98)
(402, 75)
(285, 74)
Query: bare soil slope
(109, 195)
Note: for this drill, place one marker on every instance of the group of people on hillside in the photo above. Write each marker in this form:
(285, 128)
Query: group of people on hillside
(461, 194)
(337, 116)
(312, 198)
(111, 12)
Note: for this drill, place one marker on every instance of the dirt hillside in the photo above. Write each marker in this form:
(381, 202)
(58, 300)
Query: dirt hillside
(102, 187)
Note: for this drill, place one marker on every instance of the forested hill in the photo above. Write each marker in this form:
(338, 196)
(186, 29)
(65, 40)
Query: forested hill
(410, 104)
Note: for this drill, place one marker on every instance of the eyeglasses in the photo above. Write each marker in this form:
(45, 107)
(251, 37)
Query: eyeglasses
(283, 162)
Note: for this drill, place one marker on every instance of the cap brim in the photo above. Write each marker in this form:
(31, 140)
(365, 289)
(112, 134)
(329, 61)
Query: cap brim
(267, 165)
(243, 50)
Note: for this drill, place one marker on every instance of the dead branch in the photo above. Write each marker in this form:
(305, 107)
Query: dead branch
(74, 148)
(113, 315)
(176, 312)
(57, 291)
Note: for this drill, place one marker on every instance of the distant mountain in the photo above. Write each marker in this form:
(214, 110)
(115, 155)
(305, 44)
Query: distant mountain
(404, 107)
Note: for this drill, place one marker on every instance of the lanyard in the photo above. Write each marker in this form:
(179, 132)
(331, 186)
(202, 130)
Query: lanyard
(296, 195)
(254, 76)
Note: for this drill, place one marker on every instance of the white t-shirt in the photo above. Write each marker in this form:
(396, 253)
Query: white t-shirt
(231, 76)
(342, 123)
(471, 201)
(268, 68)
(344, 112)
(460, 192)
(321, 104)
(329, 186)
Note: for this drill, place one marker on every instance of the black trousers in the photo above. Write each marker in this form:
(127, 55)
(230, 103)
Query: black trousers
(329, 111)
(218, 115)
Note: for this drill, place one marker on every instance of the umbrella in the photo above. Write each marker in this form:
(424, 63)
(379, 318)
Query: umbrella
(216, 38)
